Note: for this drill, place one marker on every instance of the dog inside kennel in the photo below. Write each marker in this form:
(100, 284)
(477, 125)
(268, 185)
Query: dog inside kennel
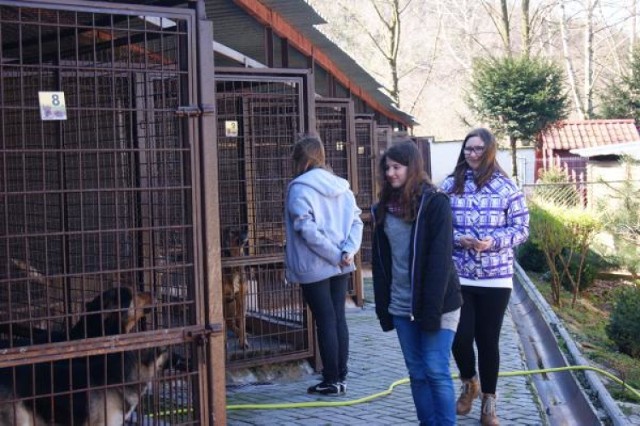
(98, 298)
(259, 118)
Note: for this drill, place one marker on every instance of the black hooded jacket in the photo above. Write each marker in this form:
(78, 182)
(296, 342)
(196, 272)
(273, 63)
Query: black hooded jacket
(435, 286)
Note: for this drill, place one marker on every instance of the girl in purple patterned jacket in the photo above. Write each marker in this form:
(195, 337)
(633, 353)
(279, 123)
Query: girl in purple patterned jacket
(490, 218)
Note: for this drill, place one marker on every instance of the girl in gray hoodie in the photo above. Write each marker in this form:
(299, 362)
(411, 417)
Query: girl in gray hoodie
(323, 234)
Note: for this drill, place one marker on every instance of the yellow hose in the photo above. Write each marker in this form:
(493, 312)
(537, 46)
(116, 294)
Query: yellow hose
(341, 403)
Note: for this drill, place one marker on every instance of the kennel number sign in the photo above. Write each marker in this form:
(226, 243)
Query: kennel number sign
(52, 106)
(231, 128)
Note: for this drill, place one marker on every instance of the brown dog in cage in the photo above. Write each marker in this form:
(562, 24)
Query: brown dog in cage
(114, 311)
(235, 286)
(118, 381)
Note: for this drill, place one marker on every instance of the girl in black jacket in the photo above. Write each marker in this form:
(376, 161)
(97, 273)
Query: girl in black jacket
(416, 287)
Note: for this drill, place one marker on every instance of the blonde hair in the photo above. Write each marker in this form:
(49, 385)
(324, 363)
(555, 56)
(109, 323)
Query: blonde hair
(308, 153)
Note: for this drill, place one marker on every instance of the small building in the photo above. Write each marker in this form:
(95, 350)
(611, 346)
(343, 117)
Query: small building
(556, 144)
(610, 168)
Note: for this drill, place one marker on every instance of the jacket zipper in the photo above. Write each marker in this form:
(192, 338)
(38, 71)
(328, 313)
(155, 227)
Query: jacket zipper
(413, 261)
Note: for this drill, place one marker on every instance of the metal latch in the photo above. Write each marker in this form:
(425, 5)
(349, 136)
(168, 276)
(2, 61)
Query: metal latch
(201, 336)
(195, 111)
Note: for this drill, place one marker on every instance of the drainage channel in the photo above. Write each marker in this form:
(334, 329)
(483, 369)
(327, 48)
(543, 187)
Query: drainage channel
(542, 334)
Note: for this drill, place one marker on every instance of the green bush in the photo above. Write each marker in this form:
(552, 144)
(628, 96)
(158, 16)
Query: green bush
(624, 324)
(531, 258)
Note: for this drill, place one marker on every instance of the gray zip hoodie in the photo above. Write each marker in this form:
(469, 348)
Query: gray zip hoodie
(322, 221)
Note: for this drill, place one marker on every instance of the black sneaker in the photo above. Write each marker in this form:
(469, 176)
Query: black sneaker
(342, 384)
(324, 388)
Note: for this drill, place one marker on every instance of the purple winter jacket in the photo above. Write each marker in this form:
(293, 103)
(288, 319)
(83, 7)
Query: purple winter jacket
(497, 210)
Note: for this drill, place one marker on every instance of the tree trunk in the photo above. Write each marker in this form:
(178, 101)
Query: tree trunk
(514, 159)
(634, 27)
(501, 22)
(506, 26)
(571, 75)
(588, 60)
(526, 29)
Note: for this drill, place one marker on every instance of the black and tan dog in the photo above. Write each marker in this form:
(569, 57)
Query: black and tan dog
(43, 393)
(114, 311)
(56, 393)
(235, 286)
(114, 405)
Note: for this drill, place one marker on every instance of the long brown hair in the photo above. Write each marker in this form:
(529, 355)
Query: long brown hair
(308, 153)
(406, 153)
(488, 163)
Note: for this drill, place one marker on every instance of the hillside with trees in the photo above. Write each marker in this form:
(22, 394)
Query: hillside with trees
(424, 52)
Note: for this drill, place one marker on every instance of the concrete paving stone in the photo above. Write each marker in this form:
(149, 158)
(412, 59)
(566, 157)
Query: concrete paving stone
(376, 362)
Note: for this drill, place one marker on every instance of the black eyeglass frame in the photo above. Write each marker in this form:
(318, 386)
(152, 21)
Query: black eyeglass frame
(478, 150)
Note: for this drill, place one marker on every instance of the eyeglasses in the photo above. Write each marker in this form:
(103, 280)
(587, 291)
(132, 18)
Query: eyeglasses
(478, 150)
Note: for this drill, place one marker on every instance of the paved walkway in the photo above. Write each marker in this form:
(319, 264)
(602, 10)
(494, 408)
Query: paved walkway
(375, 363)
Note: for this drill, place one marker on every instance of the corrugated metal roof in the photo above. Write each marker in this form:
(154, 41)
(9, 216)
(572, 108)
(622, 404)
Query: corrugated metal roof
(229, 19)
(589, 133)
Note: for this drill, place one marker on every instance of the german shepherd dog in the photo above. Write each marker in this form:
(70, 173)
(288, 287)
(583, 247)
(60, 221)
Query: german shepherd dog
(57, 393)
(23, 388)
(235, 287)
(115, 311)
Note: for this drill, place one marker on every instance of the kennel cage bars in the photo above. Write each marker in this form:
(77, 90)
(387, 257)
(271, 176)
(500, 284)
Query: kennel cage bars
(366, 146)
(103, 199)
(335, 118)
(261, 113)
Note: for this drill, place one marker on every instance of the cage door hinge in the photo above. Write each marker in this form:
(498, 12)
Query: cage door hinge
(201, 336)
(195, 110)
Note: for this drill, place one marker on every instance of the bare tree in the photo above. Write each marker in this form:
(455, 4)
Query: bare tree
(423, 51)
(571, 74)
(378, 28)
(384, 35)
(501, 20)
(588, 59)
(633, 10)
(526, 29)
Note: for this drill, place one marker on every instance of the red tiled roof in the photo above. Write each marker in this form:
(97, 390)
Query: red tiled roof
(588, 133)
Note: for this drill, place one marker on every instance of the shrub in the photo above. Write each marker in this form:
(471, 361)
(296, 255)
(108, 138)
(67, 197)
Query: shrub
(531, 258)
(588, 275)
(624, 324)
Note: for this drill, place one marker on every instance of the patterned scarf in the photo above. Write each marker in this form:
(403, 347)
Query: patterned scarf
(394, 207)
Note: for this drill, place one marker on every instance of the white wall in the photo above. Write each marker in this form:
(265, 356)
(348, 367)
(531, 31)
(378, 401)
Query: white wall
(445, 154)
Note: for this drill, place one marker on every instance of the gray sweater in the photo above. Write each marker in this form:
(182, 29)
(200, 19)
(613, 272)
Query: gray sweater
(322, 221)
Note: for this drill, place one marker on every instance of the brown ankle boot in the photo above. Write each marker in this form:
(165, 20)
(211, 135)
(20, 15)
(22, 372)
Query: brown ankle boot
(489, 416)
(469, 391)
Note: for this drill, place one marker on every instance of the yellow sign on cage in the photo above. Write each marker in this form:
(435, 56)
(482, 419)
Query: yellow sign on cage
(231, 128)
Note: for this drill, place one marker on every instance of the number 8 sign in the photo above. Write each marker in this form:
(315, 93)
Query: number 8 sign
(52, 106)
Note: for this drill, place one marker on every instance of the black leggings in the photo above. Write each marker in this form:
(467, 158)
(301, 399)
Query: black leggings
(480, 321)
(326, 299)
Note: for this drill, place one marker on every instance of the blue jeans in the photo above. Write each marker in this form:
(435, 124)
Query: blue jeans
(427, 357)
